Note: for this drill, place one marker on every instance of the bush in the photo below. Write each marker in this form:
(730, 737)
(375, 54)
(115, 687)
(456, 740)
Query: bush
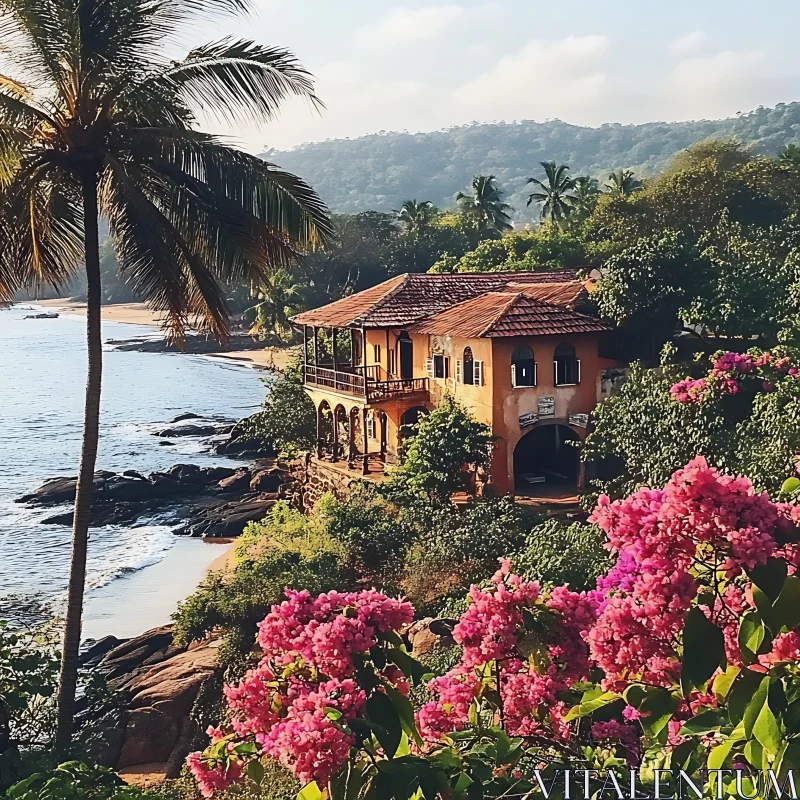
(556, 553)
(287, 423)
(457, 545)
(372, 529)
(442, 455)
(286, 550)
(74, 780)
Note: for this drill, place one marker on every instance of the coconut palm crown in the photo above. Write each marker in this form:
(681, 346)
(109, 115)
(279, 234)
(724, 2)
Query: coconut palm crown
(485, 201)
(553, 193)
(97, 122)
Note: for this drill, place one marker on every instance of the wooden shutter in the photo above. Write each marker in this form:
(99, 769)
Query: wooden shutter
(535, 373)
(477, 373)
(513, 376)
(459, 371)
(578, 376)
(429, 367)
(446, 367)
(555, 373)
(371, 425)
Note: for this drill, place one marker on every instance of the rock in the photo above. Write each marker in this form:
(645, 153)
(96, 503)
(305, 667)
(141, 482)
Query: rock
(268, 480)
(187, 430)
(229, 519)
(43, 315)
(160, 698)
(132, 653)
(184, 417)
(238, 482)
(426, 637)
(97, 649)
(167, 444)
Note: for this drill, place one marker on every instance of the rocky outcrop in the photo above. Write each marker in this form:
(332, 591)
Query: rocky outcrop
(314, 478)
(156, 684)
(203, 501)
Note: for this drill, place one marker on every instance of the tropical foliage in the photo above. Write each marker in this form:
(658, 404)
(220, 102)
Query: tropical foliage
(98, 122)
(553, 194)
(484, 201)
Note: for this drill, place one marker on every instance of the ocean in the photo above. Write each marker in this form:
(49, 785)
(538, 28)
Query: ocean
(42, 379)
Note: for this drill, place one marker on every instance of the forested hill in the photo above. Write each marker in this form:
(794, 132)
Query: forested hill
(380, 171)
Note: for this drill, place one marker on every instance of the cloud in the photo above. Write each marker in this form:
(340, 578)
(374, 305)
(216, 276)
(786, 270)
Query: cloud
(722, 84)
(564, 79)
(403, 25)
(688, 43)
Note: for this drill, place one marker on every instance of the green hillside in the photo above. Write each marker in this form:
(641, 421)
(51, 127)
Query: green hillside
(382, 170)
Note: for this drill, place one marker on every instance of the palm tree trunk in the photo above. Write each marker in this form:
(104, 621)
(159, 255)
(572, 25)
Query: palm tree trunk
(68, 677)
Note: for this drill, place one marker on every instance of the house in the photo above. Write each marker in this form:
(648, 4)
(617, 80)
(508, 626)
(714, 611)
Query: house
(516, 349)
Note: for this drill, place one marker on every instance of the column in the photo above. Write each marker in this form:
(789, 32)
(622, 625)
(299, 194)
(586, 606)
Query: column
(365, 439)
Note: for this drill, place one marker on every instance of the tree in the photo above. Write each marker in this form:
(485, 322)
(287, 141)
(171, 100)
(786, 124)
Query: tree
(790, 155)
(280, 295)
(585, 193)
(623, 182)
(98, 123)
(553, 193)
(416, 216)
(485, 201)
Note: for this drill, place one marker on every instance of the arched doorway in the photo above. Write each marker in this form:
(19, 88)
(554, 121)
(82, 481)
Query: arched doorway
(545, 460)
(342, 432)
(325, 430)
(411, 416)
(406, 356)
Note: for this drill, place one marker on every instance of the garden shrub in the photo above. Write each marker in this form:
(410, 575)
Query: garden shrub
(74, 780)
(557, 553)
(287, 422)
(286, 550)
(684, 656)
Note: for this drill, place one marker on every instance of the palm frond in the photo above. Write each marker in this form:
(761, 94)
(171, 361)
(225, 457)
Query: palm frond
(234, 78)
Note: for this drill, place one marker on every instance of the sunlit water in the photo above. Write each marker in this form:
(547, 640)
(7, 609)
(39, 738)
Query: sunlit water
(42, 378)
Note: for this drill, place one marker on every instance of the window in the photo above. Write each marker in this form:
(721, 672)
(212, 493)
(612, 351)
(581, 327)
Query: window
(371, 426)
(377, 352)
(469, 372)
(441, 366)
(392, 361)
(523, 366)
(566, 368)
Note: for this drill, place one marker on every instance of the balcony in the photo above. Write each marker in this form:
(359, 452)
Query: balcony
(365, 383)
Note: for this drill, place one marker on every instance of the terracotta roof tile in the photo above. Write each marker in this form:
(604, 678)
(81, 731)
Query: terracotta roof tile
(406, 299)
(498, 314)
(571, 294)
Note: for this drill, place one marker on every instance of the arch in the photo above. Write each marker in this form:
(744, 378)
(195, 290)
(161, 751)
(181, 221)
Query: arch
(544, 459)
(566, 367)
(523, 366)
(469, 367)
(406, 347)
(356, 436)
(341, 432)
(324, 429)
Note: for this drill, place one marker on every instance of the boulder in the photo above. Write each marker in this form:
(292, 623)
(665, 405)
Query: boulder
(428, 636)
(187, 430)
(184, 417)
(95, 650)
(238, 482)
(267, 480)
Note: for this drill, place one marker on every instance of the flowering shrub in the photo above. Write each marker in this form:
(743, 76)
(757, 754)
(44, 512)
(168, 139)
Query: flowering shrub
(730, 371)
(684, 655)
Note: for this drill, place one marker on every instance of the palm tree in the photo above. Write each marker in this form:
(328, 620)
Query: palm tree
(622, 182)
(585, 192)
(553, 193)
(790, 155)
(97, 122)
(415, 216)
(279, 297)
(485, 201)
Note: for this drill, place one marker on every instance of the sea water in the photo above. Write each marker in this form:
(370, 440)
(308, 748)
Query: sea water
(42, 382)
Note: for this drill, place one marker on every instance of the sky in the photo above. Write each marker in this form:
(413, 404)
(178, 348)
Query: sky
(424, 65)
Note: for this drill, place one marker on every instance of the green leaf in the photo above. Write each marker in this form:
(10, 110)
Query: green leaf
(410, 667)
(587, 707)
(405, 712)
(703, 650)
(765, 610)
(723, 683)
(657, 710)
(310, 792)
(751, 636)
(766, 730)
(769, 577)
(786, 610)
(790, 485)
(388, 731)
(703, 723)
(255, 771)
(753, 708)
(717, 756)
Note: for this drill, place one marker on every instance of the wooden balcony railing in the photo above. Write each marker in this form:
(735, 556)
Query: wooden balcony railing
(363, 382)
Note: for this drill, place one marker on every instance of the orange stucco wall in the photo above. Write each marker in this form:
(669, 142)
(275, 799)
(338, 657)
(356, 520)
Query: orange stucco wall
(495, 403)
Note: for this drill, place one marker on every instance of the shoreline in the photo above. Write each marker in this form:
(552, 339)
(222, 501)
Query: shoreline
(267, 358)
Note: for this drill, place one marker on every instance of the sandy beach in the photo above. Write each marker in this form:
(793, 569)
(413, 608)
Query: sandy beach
(270, 358)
